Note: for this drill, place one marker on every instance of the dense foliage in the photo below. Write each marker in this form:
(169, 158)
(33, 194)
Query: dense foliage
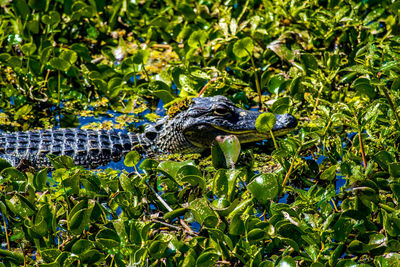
(333, 195)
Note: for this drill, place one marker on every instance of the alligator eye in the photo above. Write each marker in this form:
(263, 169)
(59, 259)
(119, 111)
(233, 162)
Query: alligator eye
(221, 111)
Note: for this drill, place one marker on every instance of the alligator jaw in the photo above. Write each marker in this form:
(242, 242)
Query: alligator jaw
(285, 123)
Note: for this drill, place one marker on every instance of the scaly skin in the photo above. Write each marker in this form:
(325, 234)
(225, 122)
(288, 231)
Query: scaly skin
(190, 130)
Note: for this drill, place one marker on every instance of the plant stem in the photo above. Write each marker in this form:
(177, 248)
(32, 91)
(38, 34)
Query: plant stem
(317, 100)
(205, 86)
(291, 167)
(6, 231)
(145, 72)
(391, 104)
(273, 139)
(260, 105)
(362, 150)
(202, 55)
(59, 97)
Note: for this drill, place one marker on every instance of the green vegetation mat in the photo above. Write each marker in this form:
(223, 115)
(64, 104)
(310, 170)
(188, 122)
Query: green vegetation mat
(325, 195)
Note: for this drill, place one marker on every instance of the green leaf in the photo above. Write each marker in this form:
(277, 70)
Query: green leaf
(230, 147)
(175, 213)
(265, 122)
(28, 49)
(275, 83)
(59, 64)
(192, 175)
(281, 105)
(52, 18)
(140, 56)
(162, 91)
(81, 246)
(383, 158)
(40, 179)
(126, 183)
(207, 258)
(21, 206)
(243, 48)
(286, 262)
(14, 257)
(197, 39)
(264, 187)
(22, 9)
(203, 213)
(23, 111)
(69, 55)
(108, 238)
(187, 12)
(394, 169)
(132, 159)
(329, 174)
(170, 168)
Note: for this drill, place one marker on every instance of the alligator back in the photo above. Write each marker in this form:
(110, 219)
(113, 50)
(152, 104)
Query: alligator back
(88, 148)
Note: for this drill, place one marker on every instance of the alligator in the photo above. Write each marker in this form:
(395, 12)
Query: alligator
(192, 129)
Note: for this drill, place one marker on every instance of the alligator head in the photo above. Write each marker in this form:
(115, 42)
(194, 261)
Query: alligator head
(194, 129)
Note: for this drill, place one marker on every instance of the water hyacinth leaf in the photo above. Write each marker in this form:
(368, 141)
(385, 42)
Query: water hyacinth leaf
(11, 257)
(175, 213)
(266, 264)
(309, 62)
(81, 246)
(45, 54)
(59, 64)
(61, 162)
(243, 48)
(275, 83)
(203, 212)
(329, 174)
(236, 226)
(140, 57)
(192, 175)
(265, 122)
(187, 12)
(170, 168)
(40, 179)
(79, 216)
(394, 169)
(23, 111)
(14, 62)
(148, 165)
(13, 174)
(52, 18)
(281, 105)
(21, 8)
(264, 187)
(157, 248)
(256, 235)
(220, 182)
(29, 49)
(207, 258)
(4, 164)
(132, 159)
(221, 203)
(197, 39)
(126, 183)
(287, 262)
(21, 206)
(365, 89)
(91, 256)
(108, 238)
(230, 147)
(161, 90)
(69, 56)
(218, 157)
